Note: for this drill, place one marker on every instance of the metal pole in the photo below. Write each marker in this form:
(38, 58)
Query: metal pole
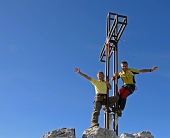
(107, 78)
(116, 83)
(107, 49)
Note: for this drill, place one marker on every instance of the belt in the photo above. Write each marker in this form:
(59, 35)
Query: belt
(104, 96)
(101, 94)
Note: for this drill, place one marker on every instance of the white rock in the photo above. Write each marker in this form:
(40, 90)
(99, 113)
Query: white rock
(143, 134)
(126, 135)
(61, 133)
(97, 132)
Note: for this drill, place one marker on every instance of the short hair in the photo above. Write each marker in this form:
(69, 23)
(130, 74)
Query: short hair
(101, 72)
(124, 62)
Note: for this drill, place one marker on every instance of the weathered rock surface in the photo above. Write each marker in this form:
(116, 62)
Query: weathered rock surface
(97, 132)
(143, 134)
(61, 133)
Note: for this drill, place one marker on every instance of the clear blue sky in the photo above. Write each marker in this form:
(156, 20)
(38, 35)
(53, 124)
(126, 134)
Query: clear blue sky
(41, 41)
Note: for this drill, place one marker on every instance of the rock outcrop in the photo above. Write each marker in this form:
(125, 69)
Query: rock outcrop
(95, 132)
(143, 134)
(61, 133)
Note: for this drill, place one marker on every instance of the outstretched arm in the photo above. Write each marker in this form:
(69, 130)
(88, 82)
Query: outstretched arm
(82, 74)
(149, 70)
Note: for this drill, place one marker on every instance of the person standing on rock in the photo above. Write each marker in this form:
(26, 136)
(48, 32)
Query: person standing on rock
(127, 76)
(101, 94)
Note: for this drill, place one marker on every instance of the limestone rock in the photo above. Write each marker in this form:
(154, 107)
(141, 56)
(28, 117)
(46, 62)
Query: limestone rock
(126, 135)
(143, 134)
(61, 133)
(97, 132)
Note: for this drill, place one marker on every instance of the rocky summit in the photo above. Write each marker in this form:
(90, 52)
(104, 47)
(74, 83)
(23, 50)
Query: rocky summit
(61, 133)
(95, 132)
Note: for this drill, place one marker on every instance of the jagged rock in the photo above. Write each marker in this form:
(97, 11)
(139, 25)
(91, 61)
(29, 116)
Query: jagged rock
(97, 132)
(61, 133)
(143, 134)
(126, 135)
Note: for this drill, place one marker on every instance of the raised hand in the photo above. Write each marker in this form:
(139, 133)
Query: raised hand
(154, 68)
(116, 73)
(77, 70)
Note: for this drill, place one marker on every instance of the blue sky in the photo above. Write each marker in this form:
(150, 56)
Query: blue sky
(42, 41)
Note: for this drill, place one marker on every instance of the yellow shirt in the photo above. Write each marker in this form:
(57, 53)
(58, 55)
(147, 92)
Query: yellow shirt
(100, 86)
(128, 75)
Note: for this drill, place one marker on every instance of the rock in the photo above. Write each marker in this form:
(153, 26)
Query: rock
(126, 135)
(61, 133)
(143, 134)
(97, 132)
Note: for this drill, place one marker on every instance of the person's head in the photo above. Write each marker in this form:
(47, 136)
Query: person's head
(100, 76)
(124, 65)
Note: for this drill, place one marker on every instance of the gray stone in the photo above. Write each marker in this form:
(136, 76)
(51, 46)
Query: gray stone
(97, 132)
(126, 135)
(61, 133)
(143, 134)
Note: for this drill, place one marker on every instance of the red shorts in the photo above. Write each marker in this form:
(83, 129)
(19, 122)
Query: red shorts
(125, 91)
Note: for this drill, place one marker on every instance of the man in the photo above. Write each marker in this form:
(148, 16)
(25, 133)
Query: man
(127, 76)
(101, 94)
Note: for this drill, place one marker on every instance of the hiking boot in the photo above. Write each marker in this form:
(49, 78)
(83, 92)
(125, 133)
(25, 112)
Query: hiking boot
(119, 112)
(94, 124)
(105, 110)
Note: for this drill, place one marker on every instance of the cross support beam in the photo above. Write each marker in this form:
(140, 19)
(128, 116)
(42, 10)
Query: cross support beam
(113, 32)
